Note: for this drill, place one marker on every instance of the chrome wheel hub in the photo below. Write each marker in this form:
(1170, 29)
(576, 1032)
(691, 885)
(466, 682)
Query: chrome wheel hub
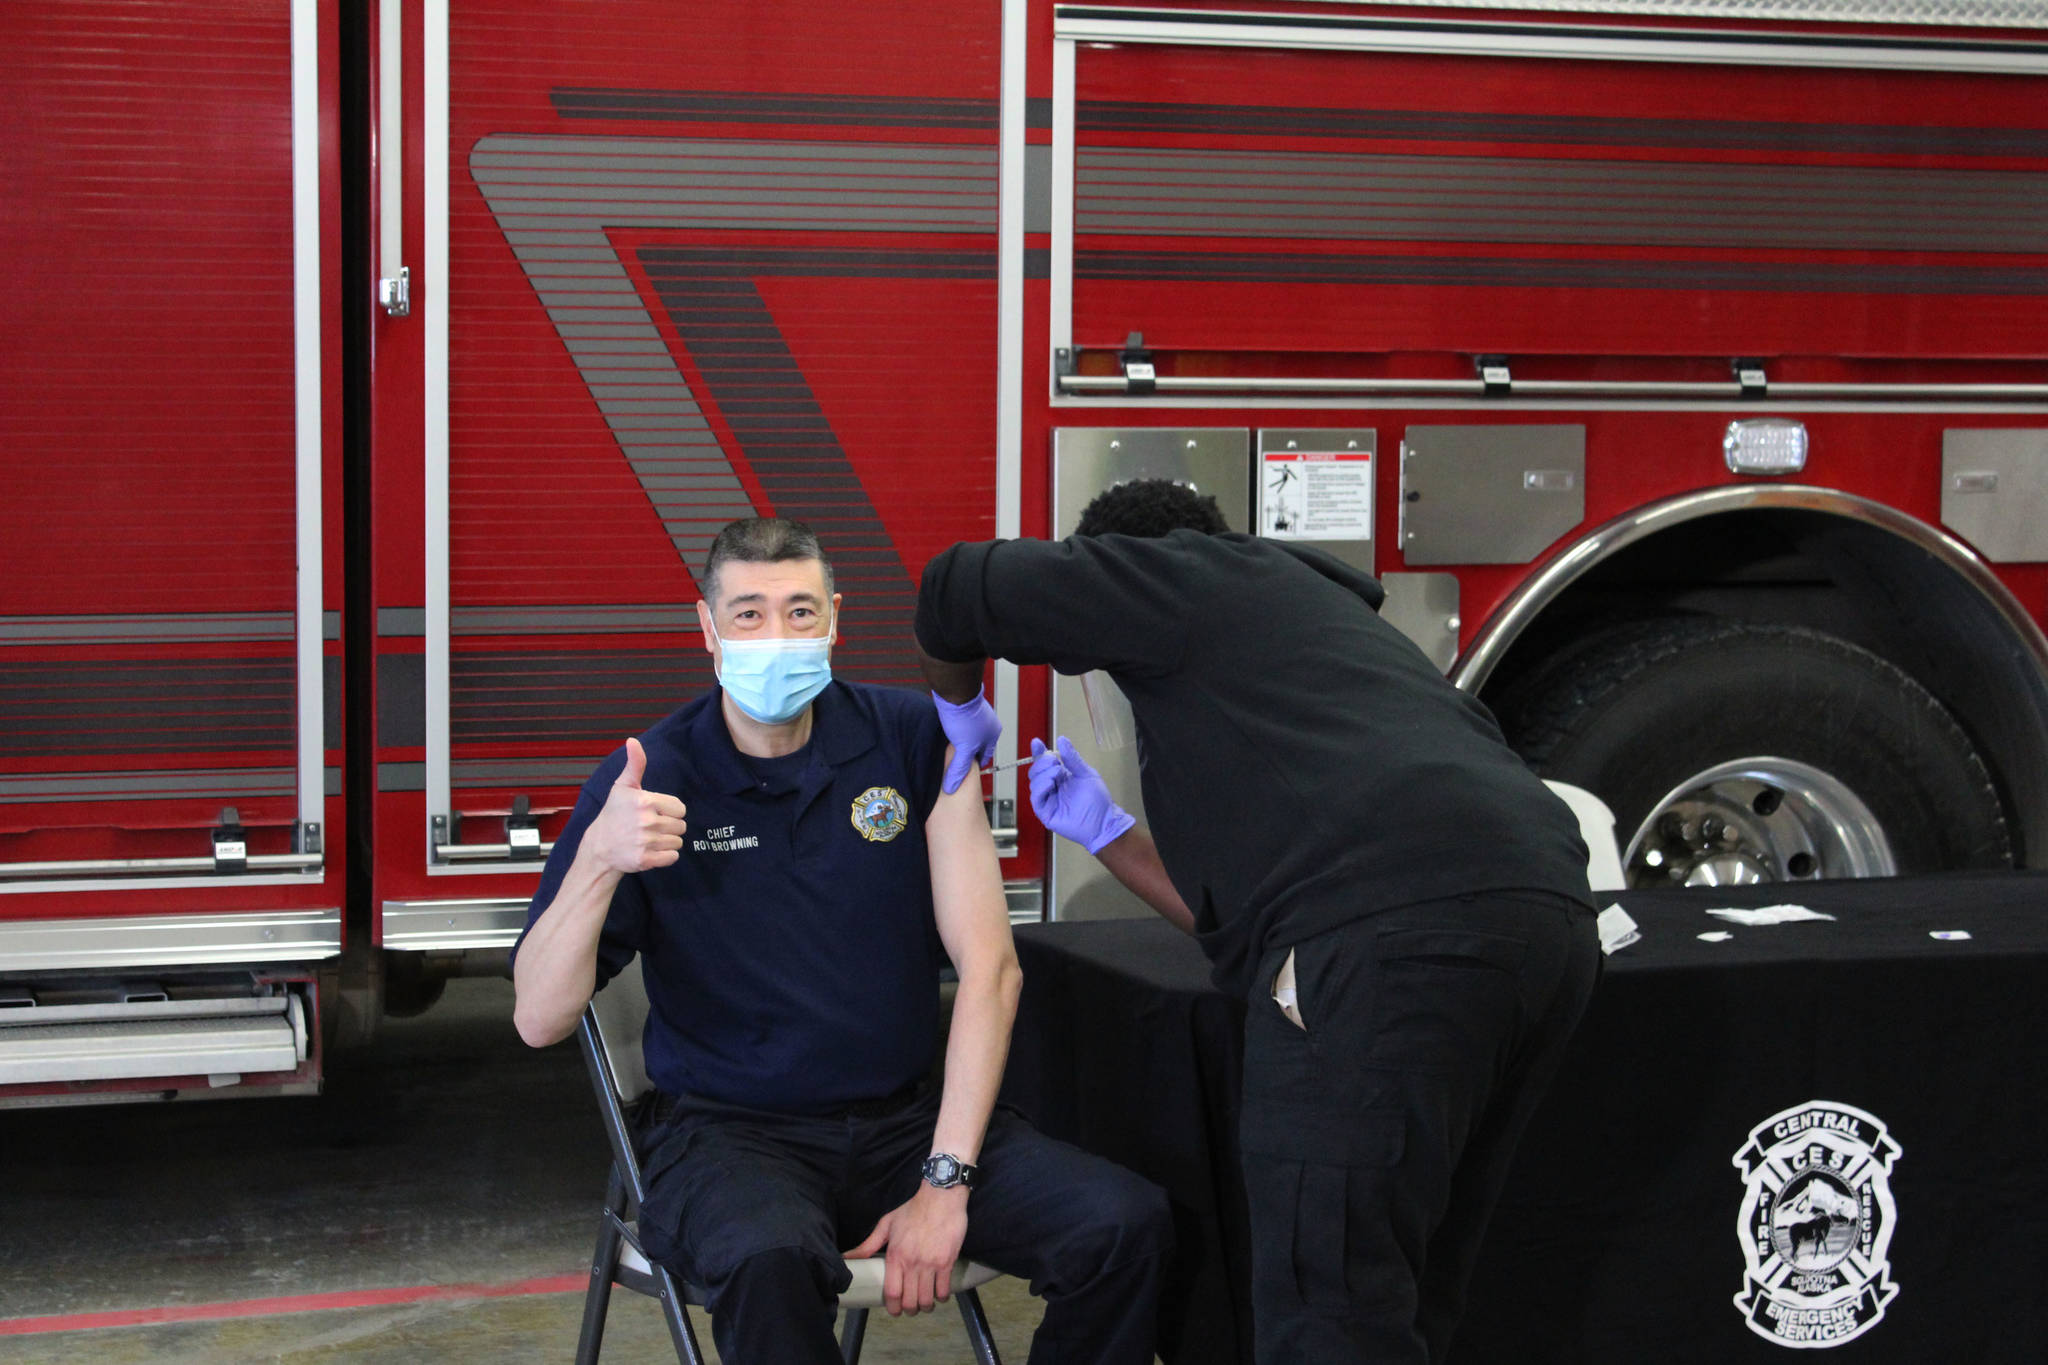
(1758, 820)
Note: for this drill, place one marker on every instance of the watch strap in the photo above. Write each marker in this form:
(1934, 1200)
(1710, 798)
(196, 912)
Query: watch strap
(962, 1173)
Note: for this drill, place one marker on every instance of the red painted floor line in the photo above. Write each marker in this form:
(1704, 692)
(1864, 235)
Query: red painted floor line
(290, 1303)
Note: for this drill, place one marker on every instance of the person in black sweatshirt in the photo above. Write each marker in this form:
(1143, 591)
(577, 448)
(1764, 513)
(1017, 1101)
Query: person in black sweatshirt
(1402, 903)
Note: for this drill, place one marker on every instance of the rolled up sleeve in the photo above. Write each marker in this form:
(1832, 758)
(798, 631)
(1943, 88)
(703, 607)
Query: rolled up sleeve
(1107, 602)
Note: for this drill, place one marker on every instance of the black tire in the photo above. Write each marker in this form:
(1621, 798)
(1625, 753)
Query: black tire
(1632, 713)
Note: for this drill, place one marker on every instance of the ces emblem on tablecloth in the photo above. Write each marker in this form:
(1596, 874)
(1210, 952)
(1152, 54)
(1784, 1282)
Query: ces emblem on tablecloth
(1815, 1225)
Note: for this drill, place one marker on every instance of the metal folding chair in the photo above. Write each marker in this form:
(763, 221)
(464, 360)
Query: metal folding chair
(610, 1036)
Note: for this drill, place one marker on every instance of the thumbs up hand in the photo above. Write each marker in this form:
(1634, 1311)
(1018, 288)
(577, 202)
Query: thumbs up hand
(638, 829)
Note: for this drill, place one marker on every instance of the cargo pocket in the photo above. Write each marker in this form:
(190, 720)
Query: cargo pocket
(1322, 1214)
(1329, 1219)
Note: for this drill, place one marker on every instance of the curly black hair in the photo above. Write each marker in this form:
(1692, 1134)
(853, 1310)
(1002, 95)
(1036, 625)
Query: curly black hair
(1150, 507)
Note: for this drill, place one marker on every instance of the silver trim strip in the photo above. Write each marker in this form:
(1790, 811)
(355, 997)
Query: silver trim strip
(1062, 256)
(306, 361)
(432, 285)
(135, 627)
(224, 785)
(1171, 384)
(1168, 385)
(162, 882)
(1974, 13)
(1584, 42)
(1527, 602)
(257, 936)
(607, 618)
(390, 138)
(1010, 194)
(440, 926)
(1103, 410)
(141, 867)
(535, 771)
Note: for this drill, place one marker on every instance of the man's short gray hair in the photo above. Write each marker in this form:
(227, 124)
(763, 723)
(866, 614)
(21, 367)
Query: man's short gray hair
(762, 540)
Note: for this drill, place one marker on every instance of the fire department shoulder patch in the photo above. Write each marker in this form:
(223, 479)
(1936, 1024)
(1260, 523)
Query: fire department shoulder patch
(880, 814)
(1815, 1225)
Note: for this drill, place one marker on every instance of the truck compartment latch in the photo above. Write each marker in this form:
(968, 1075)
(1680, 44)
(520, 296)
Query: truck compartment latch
(522, 831)
(1140, 375)
(394, 296)
(230, 842)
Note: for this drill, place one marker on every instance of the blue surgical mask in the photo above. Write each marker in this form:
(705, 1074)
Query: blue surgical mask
(774, 680)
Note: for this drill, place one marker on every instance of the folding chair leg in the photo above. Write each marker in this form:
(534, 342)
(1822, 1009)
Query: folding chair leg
(977, 1328)
(597, 1299)
(678, 1320)
(852, 1333)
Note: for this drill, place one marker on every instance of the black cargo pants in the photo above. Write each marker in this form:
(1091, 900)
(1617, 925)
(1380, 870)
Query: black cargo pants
(756, 1207)
(1377, 1137)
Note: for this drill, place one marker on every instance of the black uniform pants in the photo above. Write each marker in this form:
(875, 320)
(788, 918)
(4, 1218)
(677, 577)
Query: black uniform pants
(1376, 1139)
(756, 1208)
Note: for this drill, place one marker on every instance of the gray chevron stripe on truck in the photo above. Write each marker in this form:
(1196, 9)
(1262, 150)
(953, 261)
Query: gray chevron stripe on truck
(555, 198)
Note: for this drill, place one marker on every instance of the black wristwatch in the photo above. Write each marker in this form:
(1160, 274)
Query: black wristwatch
(943, 1170)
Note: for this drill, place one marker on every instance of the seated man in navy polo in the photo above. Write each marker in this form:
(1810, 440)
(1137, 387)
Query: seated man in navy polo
(779, 855)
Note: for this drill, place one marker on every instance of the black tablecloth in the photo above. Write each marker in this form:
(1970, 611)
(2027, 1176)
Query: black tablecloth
(1618, 1238)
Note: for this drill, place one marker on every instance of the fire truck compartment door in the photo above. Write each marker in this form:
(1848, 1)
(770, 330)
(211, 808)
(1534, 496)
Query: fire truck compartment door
(1994, 491)
(1489, 494)
(638, 330)
(163, 642)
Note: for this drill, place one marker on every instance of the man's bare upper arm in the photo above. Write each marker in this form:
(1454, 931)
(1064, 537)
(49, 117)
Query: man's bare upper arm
(967, 883)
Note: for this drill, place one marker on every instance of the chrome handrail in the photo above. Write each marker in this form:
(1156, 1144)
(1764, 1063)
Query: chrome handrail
(1553, 388)
(114, 867)
(486, 852)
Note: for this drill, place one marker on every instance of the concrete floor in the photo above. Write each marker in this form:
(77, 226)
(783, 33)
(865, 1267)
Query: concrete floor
(448, 1159)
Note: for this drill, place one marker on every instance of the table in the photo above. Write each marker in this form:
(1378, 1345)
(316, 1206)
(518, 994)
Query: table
(1848, 1109)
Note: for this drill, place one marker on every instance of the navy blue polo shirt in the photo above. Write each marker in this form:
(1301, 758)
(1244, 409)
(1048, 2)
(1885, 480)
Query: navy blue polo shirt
(791, 955)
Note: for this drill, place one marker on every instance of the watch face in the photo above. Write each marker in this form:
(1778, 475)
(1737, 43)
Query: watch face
(942, 1169)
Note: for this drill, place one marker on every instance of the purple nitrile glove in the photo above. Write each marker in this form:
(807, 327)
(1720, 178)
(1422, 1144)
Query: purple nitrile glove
(972, 728)
(1070, 798)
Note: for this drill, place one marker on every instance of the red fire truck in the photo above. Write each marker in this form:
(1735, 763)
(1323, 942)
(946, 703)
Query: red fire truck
(379, 373)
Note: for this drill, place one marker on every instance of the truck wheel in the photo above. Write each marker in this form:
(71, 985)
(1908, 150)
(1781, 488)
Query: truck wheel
(1733, 752)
